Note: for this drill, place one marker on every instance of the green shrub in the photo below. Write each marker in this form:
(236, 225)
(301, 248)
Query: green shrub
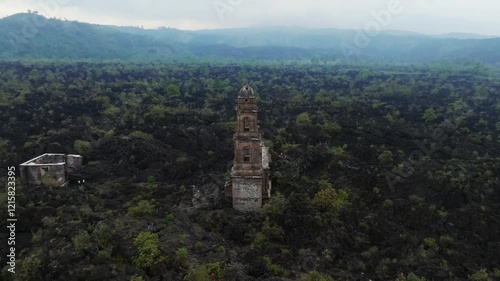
(260, 240)
(329, 199)
(303, 119)
(370, 252)
(327, 254)
(151, 179)
(105, 253)
(29, 268)
(168, 218)
(202, 272)
(82, 147)
(82, 241)
(431, 243)
(136, 278)
(416, 199)
(388, 203)
(220, 249)
(274, 269)
(199, 246)
(181, 159)
(157, 112)
(109, 134)
(480, 275)
(445, 240)
(111, 112)
(442, 213)
(148, 250)
(496, 274)
(103, 235)
(323, 184)
(173, 91)
(385, 156)
(143, 208)
(181, 256)
(338, 150)
(429, 115)
(28, 145)
(332, 128)
(141, 135)
(410, 277)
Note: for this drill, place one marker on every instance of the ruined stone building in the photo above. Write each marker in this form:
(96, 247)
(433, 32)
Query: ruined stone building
(250, 183)
(50, 165)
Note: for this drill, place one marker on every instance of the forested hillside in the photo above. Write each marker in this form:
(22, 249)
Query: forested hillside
(391, 171)
(31, 36)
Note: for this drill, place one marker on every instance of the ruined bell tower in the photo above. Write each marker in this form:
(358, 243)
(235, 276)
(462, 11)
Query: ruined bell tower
(250, 183)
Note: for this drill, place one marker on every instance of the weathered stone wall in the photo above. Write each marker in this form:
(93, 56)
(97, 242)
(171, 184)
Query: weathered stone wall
(74, 162)
(34, 174)
(266, 158)
(50, 159)
(54, 166)
(247, 193)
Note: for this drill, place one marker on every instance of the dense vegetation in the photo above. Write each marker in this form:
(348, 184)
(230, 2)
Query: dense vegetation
(391, 171)
(31, 36)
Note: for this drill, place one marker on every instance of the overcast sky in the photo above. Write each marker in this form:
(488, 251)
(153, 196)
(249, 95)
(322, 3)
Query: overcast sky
(424, 16)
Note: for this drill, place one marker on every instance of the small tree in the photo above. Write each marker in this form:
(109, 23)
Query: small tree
(173, 91)
(303, 119)
(143, 208)
(141, 135)
(181, 256)
(385, 156)
(429, 115)
(148, 250)
(82, 241)
(157, 112)
(82, 147)
(29, 268)
(204, 272)
(329, 199)
(480, 275)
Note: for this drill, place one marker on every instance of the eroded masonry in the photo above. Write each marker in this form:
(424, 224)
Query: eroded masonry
(250, 183)
(50, 166)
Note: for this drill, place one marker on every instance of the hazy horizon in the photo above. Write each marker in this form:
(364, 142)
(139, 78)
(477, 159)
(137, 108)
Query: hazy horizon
(420, 16)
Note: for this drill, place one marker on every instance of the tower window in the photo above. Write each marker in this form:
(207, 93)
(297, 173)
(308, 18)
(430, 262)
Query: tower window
(246, 124)
(246, 155)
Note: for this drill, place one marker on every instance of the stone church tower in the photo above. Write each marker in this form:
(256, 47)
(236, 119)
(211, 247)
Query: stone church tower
(250, 183)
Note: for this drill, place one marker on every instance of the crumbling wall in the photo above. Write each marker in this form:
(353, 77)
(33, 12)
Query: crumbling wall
(266, 158)
(74, 162)
(55, 166)
(34, 174)
(247, 193)
(50, 159)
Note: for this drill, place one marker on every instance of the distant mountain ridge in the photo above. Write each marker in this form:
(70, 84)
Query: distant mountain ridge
(31, 36)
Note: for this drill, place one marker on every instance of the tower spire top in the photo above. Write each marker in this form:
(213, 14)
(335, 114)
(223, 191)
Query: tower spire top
(246, 91)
